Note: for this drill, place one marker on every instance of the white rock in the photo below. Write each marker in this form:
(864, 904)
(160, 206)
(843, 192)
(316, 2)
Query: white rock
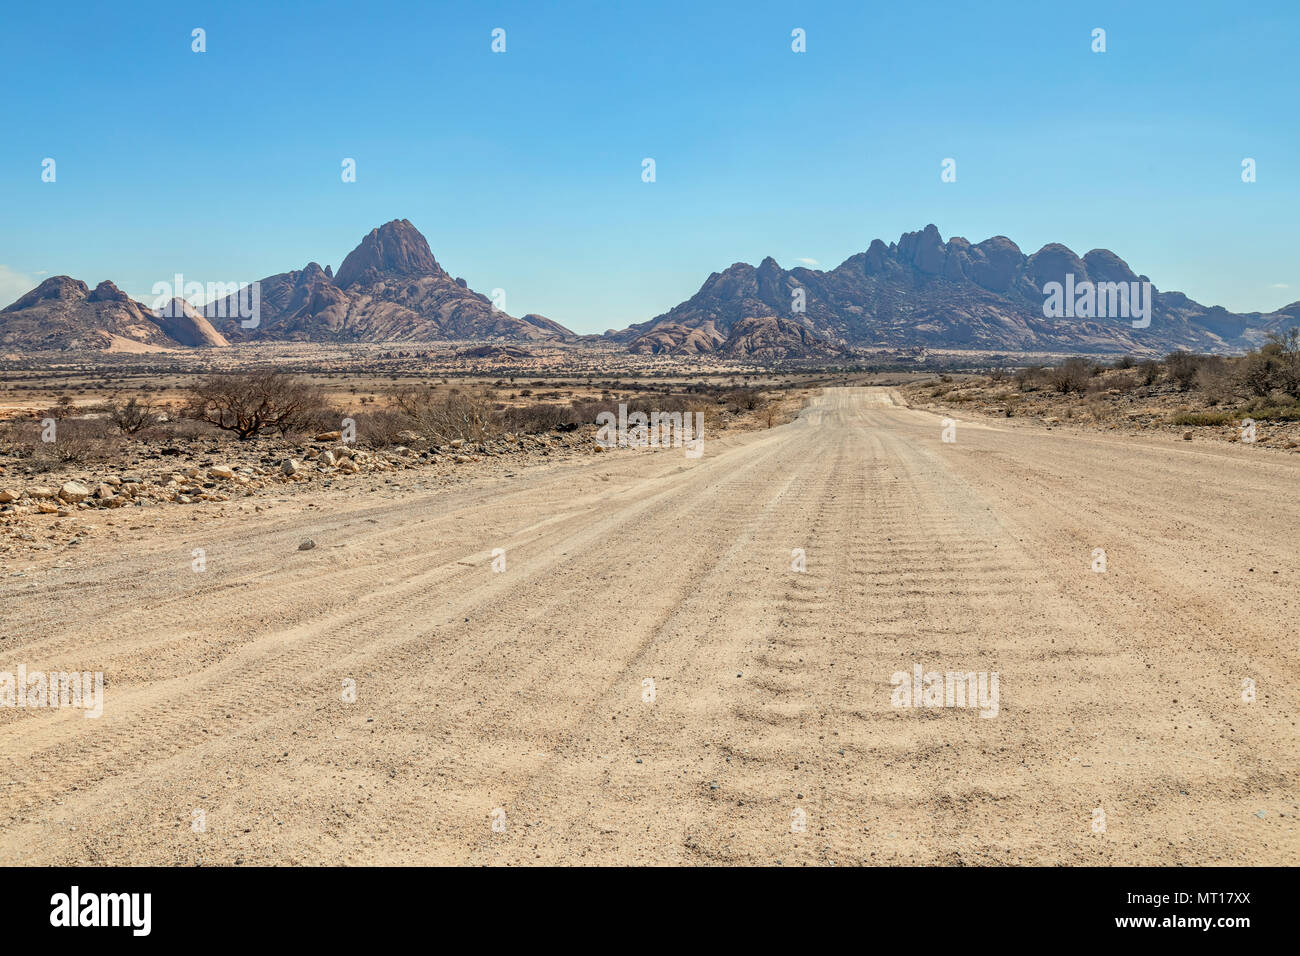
(74, 491)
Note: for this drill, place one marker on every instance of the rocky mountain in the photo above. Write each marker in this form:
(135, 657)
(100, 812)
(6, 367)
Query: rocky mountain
(770, 338)
(389, 288)
(670, 338)
(923, 291)
(766, 338)
(65, 313)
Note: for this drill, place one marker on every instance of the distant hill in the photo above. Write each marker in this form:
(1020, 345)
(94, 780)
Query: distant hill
(65, 313)
(924, 292)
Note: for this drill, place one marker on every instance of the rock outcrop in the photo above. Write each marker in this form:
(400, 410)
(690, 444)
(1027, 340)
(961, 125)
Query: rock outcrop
(64, 313)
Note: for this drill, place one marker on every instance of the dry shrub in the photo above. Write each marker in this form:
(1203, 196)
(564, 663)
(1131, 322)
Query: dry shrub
(1183, 368)
(1215, 380)
(77, 441)
(1274, 367)
(542, 417)
(248, 403)
(382, 429)
(182, 429)
(1029, 378)
(443, 417)
(1072, 375)
(131, 417)
(742, 399)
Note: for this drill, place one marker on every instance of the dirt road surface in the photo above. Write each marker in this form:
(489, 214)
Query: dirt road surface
(1121, 735)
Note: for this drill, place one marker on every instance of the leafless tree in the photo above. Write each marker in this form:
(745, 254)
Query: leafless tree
(132, 416)
(251, 402)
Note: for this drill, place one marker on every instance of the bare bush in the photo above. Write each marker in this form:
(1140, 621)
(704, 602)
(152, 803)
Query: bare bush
(381, 429)
(1275, 366)
(542, 417)
(1072, 375)
(1029, 377)
(249, 403)
(1182, 368)
(444, 417)
(131, 417)
(743, 399)
(1214, 380)
(76, 442)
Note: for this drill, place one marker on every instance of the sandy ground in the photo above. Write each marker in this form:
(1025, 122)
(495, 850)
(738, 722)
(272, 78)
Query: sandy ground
(523, 690)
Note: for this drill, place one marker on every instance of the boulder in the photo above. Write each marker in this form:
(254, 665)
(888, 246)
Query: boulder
(74, 491)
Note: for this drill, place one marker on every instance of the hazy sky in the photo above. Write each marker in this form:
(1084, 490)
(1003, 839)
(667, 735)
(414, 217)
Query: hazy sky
(524, 168)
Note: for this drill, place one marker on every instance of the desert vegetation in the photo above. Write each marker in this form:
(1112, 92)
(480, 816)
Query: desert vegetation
(196, 438)
(1181, 391)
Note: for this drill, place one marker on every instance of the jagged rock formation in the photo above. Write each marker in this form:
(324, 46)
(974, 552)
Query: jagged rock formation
(389, 288)
(924, 292)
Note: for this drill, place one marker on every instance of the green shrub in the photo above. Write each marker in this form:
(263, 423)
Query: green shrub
(1203, 418)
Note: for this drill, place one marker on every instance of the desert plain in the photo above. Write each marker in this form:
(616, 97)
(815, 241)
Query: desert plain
(544, 653)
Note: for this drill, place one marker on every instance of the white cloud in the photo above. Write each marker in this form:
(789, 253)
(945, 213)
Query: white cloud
(1279, 285)
(14, 285)
(807, 262)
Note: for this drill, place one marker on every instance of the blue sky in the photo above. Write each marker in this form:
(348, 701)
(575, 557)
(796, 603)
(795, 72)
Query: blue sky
(523, 169)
